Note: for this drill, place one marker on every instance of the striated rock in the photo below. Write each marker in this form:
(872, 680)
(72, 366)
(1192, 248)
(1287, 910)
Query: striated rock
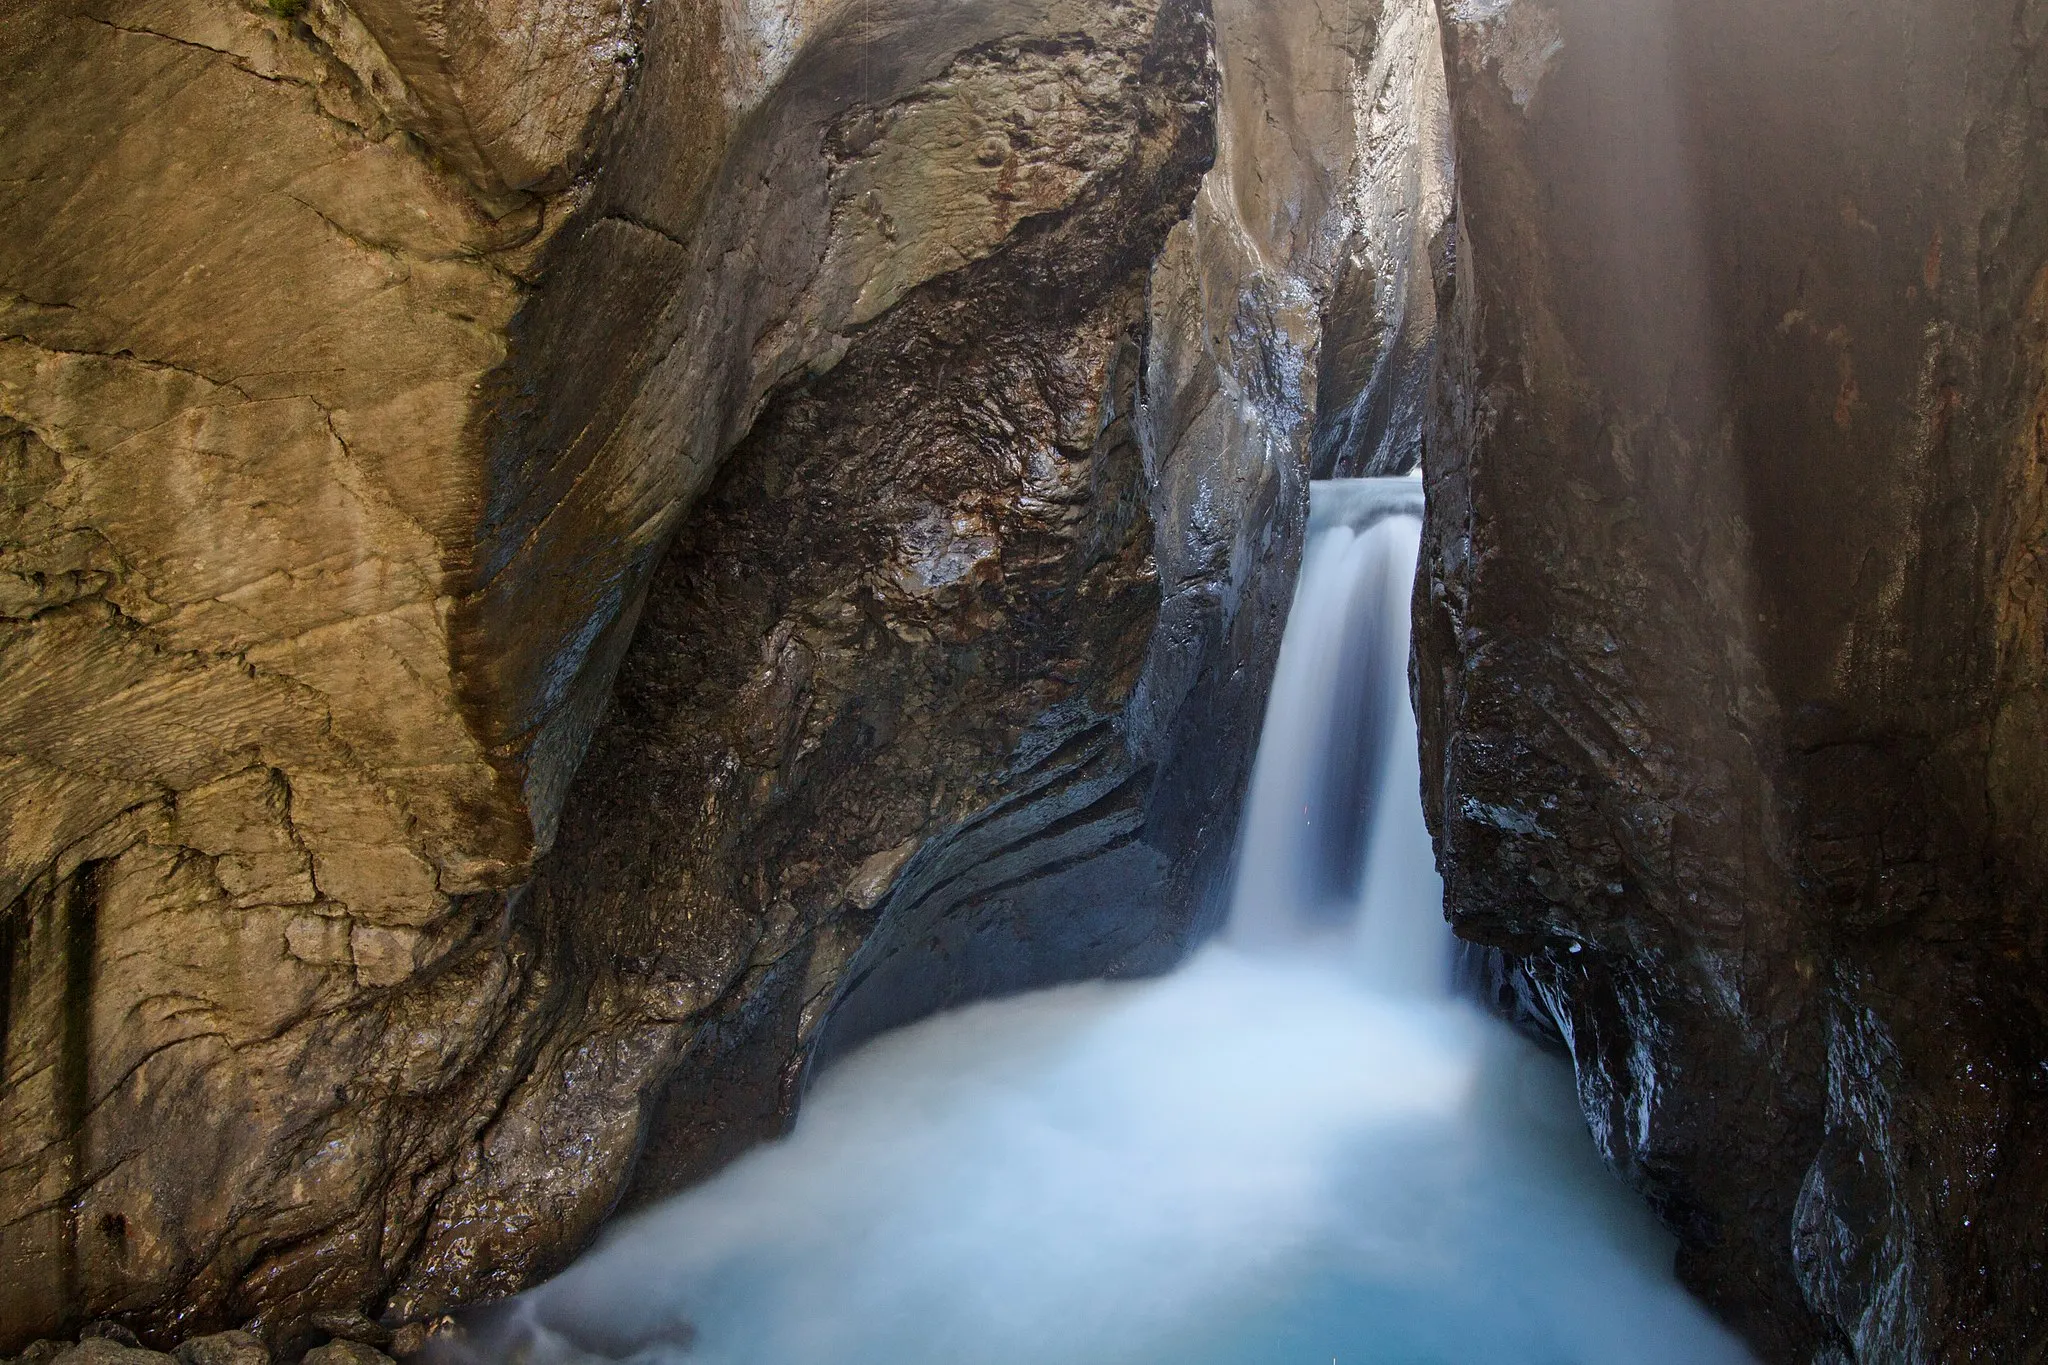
(254, 264)
(916, 602)
(563, 563)
(1728, 650)
(258, 811)
(947, 685)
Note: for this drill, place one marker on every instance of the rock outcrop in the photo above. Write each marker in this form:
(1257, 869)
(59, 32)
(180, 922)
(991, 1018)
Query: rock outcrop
(1730, 640)
(891, 386)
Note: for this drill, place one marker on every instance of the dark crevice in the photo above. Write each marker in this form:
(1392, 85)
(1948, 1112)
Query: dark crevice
(78, 910)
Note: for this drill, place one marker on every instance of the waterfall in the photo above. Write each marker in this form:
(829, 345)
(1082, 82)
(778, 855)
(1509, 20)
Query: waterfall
(1298, 1147)
(1333, 841)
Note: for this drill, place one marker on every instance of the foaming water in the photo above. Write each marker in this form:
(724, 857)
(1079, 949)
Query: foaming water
(1296, 1148)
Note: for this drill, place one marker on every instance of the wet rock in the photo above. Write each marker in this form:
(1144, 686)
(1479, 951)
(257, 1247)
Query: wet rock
(331, 498)
(910, 613)
(952, 673)
(895, 392)
(350, 1325)
(106, 1329)
(411, 1339)
(1728, 641)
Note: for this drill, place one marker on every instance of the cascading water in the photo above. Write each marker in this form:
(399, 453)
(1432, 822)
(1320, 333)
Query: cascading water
(1299, 1147)
(1334, 843)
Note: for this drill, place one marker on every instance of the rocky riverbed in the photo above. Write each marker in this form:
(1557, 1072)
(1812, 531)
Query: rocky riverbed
(109, 1343)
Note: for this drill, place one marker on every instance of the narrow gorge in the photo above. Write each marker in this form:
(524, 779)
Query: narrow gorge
(574, 573)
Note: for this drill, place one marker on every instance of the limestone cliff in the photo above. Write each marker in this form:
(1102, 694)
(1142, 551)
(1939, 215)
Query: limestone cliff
(1730, 643)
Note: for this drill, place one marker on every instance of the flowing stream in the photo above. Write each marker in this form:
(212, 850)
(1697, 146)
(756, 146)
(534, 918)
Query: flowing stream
(1300, 1147)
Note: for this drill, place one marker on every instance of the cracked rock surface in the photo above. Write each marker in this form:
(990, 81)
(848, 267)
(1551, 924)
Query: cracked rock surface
(250, 279)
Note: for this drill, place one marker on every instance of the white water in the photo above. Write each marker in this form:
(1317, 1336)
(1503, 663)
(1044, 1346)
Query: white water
(1298, 1148)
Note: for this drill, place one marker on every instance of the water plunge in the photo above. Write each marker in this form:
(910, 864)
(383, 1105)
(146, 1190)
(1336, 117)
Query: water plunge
(1299, 1147)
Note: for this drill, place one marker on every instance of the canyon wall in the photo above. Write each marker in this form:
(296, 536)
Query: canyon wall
(563, 563)
(1730, 639)
(256, 266)
(889, 398)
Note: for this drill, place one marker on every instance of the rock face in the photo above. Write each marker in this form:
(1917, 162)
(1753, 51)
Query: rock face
(562, 564)
(892, 656)
(254, 267)
(892, 387)
(1730, 647)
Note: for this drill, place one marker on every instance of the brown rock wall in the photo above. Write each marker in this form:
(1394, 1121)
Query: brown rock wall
(246, 313)
(267, 272)
(357, 365)
(918, 595)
